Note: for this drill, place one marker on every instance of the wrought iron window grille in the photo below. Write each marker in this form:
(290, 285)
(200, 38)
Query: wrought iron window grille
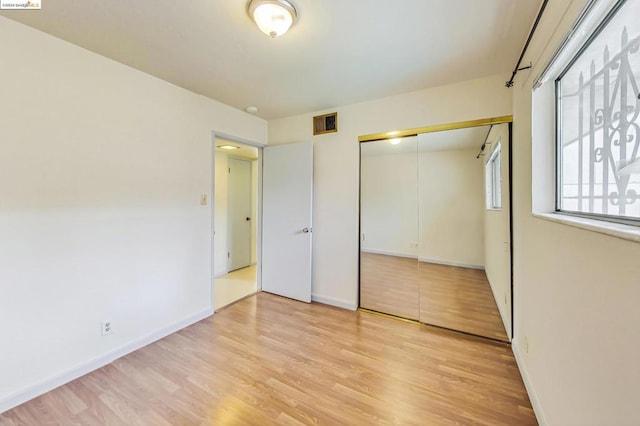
(598, 126)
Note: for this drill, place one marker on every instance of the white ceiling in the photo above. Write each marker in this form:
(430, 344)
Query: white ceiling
(339, 52)
(448, 140)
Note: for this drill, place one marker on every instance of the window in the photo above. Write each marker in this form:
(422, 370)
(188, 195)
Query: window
(493, 179)
(598, 122)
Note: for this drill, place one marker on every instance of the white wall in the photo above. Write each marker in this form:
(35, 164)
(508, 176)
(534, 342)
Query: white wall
(423, 204)
(336, 171)
(451, 205)
(497, 229)
(389, 201)
(576, 291)
(101, 171)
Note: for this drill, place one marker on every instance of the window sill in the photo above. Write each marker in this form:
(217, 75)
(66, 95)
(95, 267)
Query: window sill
(618, 230)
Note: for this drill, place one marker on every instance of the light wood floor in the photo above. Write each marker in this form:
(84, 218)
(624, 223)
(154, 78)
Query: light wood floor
(270, 360)
(446, 296)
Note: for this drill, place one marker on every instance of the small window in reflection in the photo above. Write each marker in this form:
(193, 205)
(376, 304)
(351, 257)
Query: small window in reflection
(493, 179)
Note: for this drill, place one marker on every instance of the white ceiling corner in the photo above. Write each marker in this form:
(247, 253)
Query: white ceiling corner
(339, 52)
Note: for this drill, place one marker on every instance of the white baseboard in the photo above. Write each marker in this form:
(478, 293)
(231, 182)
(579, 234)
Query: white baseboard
(533, 397)
(450, 263)
(389, 253)
(219, 274)
(334, 302)
(80, 370)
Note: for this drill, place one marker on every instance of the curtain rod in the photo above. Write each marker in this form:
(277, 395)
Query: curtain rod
(526, 45)
(484, 144)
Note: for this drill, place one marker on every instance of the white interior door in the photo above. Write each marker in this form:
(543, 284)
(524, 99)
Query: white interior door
(287, 180)
(239, 214)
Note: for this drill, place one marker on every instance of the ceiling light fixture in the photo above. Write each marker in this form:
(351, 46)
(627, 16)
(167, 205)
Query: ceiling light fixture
(273, 17)
(228, 147)
(395, 141)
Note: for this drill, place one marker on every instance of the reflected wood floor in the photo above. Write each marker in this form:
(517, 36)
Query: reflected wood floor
(390, 284)
(460, 299)
(446, 296)
(270, 360)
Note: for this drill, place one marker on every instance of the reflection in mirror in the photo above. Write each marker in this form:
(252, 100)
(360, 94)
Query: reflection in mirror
(497, 220)
(455, 292)
(435, 238)
(389, 227)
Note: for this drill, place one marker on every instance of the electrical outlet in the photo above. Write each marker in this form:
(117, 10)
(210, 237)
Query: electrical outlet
(505, 298)
(363, 237)
(106, 327)
(203, 199)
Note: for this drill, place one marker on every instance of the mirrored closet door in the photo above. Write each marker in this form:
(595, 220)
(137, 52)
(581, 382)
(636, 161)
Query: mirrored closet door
(435, 231)
(389, 274)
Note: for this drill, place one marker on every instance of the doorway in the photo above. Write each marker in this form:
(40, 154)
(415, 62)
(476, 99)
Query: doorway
(236, 221)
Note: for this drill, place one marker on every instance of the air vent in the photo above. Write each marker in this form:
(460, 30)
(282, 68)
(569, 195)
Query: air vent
(327, 123)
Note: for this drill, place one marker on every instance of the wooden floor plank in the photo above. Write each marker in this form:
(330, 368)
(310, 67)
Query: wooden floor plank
(270, 360)
(445, 296)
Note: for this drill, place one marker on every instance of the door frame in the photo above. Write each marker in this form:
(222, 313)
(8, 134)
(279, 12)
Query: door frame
(212, 194)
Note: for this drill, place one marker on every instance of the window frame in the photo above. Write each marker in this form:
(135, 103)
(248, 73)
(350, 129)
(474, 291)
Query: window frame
(490, 178)
(625, 220)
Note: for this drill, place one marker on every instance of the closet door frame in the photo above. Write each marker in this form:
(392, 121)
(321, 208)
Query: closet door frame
(438, 128)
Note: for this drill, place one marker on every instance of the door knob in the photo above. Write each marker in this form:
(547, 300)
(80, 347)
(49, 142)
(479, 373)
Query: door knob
(306, 230)
(248, 219)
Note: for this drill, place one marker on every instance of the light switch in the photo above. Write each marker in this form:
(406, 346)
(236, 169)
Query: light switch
(203, 199)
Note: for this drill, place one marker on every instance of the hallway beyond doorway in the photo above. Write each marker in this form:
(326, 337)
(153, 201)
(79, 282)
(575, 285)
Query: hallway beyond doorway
(234, 286)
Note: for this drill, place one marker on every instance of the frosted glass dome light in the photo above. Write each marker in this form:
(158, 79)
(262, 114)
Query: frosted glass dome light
(273, 17)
